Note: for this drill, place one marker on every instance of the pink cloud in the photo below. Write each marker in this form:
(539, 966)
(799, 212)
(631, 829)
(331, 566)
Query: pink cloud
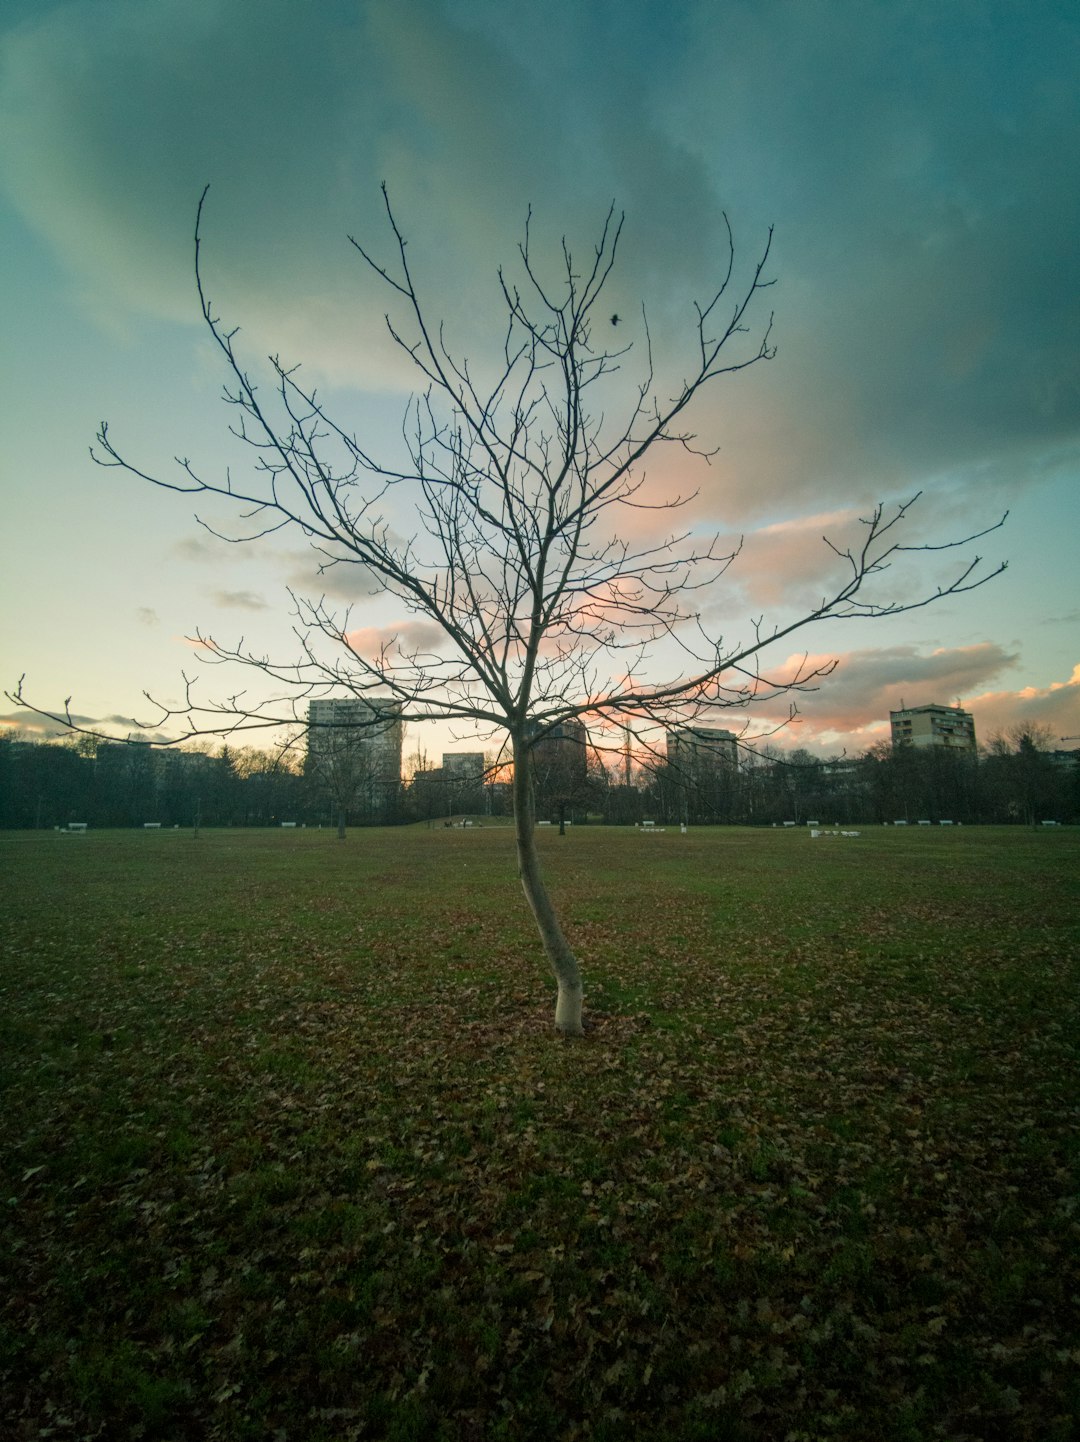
(1056, 706)
(851, 707)
(786, 565)
(793, 565)
(401, 637)
(789, 563)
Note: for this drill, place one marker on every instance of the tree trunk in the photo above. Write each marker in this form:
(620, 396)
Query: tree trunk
(341, 823)
(562, 960)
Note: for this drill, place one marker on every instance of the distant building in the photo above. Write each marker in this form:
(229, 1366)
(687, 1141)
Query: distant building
(703, 763)
(939, 726)
(192, 763)
(467, 766)
(696, 749)
(560, 768)
(563, 750)
(462, 775)
(1065, 760)
(370, 731)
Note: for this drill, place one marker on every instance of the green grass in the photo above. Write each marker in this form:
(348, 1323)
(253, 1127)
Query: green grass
(290, 1149)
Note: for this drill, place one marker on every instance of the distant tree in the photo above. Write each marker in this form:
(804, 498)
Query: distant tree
(798, 776)
(43, 783)
(1020, 774)
(126, 783)
(913, 783)
(952, 781)
(768, 801)
(339, 770)
(219, 798)
(560, 763)
(503, 525)
(696, 780)
(268, 784)
(424, 796)
(597, 786)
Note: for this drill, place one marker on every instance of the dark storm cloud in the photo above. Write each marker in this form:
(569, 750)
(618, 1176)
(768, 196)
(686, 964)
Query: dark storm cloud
(116, 114)
(918, 161)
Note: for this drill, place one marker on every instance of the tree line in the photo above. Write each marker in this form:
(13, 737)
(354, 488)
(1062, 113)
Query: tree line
(1018, 778)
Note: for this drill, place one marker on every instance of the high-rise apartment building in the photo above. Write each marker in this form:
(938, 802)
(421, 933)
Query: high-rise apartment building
(943, 726)
(562, 751)
(369, 730)
(694, 749)
(465, 766)
(703, 768)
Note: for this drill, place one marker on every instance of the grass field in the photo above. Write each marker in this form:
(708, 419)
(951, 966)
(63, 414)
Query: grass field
(291, 1153)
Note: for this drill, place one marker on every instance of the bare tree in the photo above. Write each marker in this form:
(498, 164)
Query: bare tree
(517, 487)
(341, 770)
(353, 755)
(1021, 776)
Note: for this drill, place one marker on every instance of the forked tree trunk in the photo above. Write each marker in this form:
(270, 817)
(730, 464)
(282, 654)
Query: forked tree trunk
(562, 960)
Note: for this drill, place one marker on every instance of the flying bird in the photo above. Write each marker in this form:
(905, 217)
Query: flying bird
(615, 319)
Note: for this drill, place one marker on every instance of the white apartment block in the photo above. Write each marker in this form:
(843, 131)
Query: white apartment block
(941, 726)
(372, 727)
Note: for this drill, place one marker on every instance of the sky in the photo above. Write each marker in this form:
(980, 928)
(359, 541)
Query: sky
(916, 161)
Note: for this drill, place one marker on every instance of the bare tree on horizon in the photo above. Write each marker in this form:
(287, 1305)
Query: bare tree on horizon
(516, 488)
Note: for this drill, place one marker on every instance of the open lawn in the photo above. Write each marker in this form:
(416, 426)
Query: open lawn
(290, 1151)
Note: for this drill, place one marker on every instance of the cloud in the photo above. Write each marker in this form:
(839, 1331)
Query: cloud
(789, 568)
(34, 727)
(406, 92)
(31, 727)
(348, 581)
(401, 637)
(240, 600)
(855, 700)
(925, 199)
(1056, 706)
(205, 549)
(790, 564)
(917, 160)
(927, 207)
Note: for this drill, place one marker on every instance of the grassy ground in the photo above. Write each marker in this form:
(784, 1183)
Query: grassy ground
(290, 1151)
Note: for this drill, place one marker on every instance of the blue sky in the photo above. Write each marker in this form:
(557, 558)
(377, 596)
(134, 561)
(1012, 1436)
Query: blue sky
(917, 161)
